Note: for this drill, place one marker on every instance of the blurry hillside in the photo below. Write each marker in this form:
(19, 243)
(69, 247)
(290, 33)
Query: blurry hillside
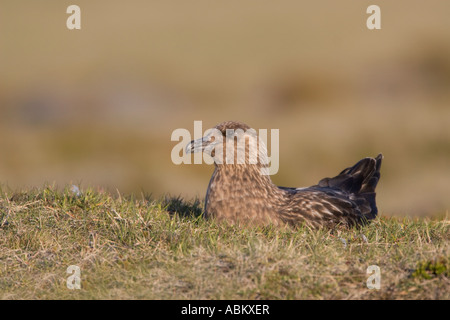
(97, 107)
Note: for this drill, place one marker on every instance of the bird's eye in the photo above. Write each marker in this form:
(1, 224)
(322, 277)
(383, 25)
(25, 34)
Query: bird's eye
(212, 139)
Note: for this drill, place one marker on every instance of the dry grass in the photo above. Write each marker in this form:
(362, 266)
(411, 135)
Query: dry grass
(139, 248)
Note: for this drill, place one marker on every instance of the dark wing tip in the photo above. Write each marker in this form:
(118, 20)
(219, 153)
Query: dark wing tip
(378, 160)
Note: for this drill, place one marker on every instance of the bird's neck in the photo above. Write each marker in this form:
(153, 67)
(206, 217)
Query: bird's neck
(243, 176)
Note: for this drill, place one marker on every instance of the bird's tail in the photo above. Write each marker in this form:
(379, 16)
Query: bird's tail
(360, 182)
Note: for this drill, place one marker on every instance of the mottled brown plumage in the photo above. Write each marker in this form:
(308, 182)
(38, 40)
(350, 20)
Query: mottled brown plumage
(241, 192)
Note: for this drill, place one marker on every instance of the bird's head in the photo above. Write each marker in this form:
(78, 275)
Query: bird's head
(231, 143)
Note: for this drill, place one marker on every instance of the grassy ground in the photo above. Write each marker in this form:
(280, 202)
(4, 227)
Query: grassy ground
(139, 248)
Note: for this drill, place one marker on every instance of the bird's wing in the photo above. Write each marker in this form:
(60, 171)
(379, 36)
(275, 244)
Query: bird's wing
(323, 206)
(348, 198)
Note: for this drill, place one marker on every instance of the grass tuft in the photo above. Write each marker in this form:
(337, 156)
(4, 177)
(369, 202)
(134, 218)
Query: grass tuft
(130, 247)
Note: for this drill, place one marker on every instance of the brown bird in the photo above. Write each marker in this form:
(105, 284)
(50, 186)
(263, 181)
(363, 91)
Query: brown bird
(241, 192)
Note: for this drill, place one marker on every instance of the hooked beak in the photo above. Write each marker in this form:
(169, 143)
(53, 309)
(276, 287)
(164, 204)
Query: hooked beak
(197, 145)
(206, 144)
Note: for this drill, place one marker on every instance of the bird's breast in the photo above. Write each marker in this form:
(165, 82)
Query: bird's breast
(233, 198)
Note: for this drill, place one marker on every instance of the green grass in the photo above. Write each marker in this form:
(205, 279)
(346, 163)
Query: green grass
(135, 247)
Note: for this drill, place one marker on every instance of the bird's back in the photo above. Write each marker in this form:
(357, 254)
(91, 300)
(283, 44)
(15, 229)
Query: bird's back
(347, 199)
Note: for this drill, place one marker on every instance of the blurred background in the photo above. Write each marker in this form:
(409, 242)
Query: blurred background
(97, 106)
